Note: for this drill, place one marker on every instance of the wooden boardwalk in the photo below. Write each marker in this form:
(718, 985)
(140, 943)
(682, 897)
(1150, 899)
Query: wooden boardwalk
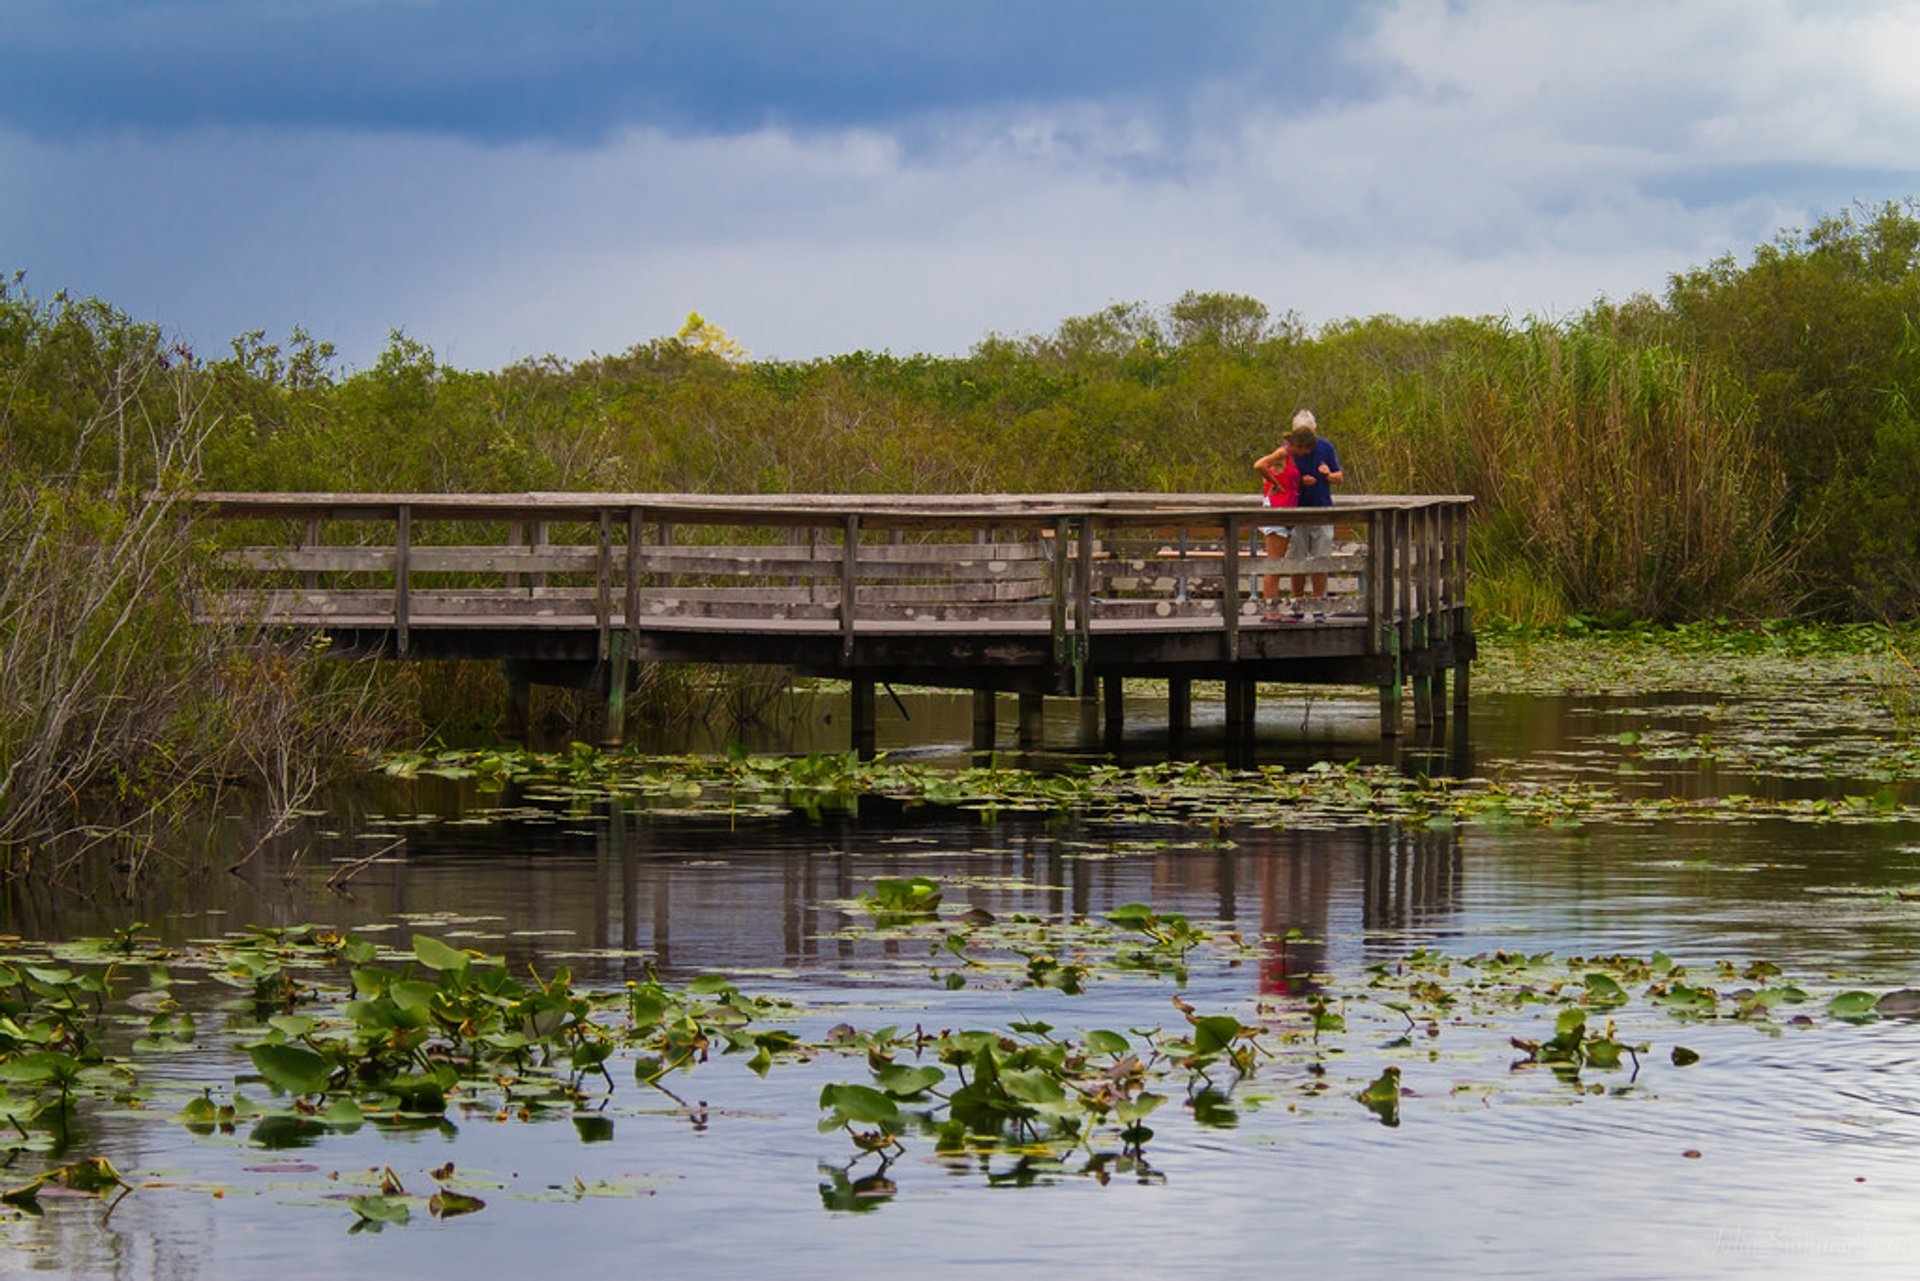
(1039, 594)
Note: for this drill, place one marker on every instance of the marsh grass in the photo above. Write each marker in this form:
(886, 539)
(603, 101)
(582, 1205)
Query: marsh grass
(1610, 478)
(1898, 682)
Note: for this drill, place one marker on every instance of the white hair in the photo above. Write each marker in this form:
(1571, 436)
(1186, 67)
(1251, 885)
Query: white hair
(1305, 419)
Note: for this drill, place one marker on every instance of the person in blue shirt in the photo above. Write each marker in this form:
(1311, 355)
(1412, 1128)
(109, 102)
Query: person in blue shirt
(1319, 467)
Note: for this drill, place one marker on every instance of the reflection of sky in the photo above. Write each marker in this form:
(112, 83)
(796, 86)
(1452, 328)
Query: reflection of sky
(505, 180)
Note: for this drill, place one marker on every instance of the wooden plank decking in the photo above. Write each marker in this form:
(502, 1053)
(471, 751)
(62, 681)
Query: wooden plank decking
(1041, 594)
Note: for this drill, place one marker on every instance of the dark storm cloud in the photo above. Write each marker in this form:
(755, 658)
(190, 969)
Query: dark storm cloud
(573, 71)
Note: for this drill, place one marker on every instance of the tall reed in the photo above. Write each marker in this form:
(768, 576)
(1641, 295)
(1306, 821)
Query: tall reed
(1626, 477)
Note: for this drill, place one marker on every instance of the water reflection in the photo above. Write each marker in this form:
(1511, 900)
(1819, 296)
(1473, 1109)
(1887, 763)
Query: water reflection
(610, 892)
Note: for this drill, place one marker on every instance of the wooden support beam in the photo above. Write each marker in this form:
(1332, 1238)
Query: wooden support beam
(613, 727)
(519, 710)
(984, 730)
(1033, 725)
(1115, 713)
(1422, 685)
(1390, 692)
(1179, 711)
(1241, 705)
(1242, 700)
(864, 711)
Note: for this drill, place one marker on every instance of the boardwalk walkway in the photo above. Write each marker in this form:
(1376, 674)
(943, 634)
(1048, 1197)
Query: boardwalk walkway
(1039, 594)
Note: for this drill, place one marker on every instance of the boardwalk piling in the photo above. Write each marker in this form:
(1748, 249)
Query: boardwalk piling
(519, 711)
(983, 726)
(1032, 733)
(613, 728)
(864, 712)
(1390, 692)
(1179, 711)
(1422, 685)
(1116, 714)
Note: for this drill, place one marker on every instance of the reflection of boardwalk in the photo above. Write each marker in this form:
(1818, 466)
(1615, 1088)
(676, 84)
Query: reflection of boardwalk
(1038, 595)
(610, 894)
(1343, 885)
(614, 894)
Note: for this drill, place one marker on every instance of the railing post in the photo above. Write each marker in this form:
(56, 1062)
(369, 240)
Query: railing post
(402, 570)
(312, 541)
(1462, 613)
(849, 578)
(1230, 587)
(1440, 620)
(603, 594)
(1376, 544)
(1422, 577)
(1057, 616)
(1403, 575)
(636, 534)
(1083, 607)
(813, 553)
(515, 537)
(1180, 569)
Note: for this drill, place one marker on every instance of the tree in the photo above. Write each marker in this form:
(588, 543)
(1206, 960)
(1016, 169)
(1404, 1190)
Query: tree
(1231, 322)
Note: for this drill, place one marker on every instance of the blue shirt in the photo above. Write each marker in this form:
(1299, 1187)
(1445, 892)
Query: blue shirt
(1319, 493)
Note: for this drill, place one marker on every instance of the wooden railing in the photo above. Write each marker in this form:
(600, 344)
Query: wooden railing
(1068, 564)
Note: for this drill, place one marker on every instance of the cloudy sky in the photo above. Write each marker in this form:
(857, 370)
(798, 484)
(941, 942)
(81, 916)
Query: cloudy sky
(504, 179)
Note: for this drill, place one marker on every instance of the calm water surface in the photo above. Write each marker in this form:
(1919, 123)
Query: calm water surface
(1775, 1155)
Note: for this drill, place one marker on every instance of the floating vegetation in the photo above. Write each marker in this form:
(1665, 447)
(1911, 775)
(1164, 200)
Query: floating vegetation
(342, 1033)
(1325, 794)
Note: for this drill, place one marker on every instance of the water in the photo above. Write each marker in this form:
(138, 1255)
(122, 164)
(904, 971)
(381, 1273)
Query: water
(1778, 1153)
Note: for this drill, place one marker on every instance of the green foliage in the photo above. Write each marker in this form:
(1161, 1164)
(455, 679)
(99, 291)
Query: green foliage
(1819, 329)
(118, 710)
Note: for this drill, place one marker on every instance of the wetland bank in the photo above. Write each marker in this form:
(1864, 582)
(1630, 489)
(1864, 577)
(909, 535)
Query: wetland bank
(1621, 987)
